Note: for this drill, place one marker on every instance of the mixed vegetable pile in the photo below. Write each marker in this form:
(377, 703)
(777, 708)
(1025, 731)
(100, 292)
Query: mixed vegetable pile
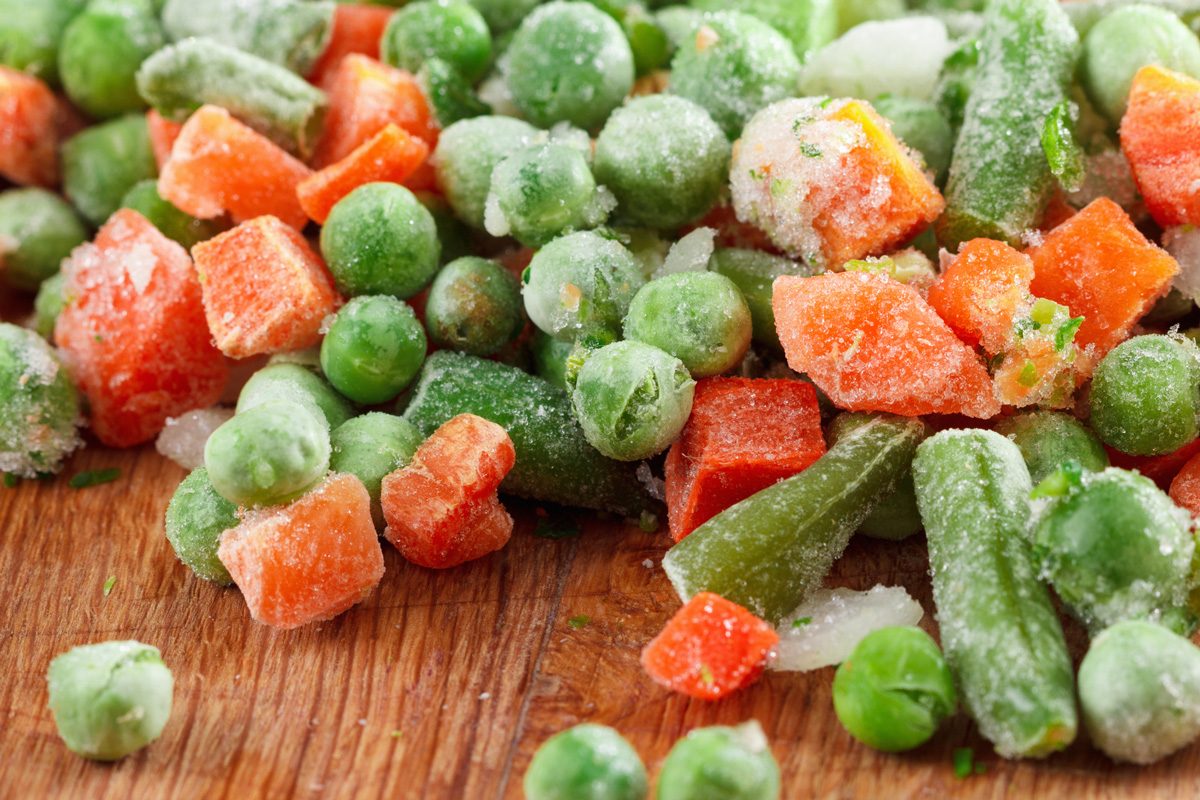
(773, 273)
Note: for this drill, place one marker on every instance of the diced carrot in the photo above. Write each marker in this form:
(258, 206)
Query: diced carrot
(1160, 469)
(391, 155)
(308, 561)
(1160, 135)
(743, 436)
(133, 333)
(163, 133)
(265, 290)
(1185, 488)
(29, 130)
(366, 95)
(1100, 266)
(873, 344)
(219, 165)
(981, 291)
(356, 29)
(711, 647)
(442, 509)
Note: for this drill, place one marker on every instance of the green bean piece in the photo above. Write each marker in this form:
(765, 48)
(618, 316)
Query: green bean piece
(770, 551)
(1050, 439)
(720, 763)
(48, 304)
(999, 179)
(102, 163)
(30, 33)
(1139, 691)
(144, 198)
(467, 152)
(196, 518)
(370, 447)
(39, 406)
(808, 24)
(100, 52)
(282, 106)
(1002, 638)
(959, 72)
(452, 30)
(754, 273)
(587, 761)
(474, 305)
(290, 381)
(554, 461)
(38, 229)
(290, 33)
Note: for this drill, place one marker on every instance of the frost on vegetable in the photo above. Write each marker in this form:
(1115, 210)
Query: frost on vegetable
(858, 64)
(183, 438)
(39, 408)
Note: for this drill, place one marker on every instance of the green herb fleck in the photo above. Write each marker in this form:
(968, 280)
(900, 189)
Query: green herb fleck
(11, 480)
(755, 175)
(706, 676)
(579, 621)
(1043, 311)
(801, 622)
(1062, 150)
(1022, 327)
(109, 584)
(94, 477)
(648, 522)
(1060, 482)
(811, 150)
(825, 103)
(779, 187)
(996, 361)
(396, 734)
(556, 527)
(1066, 332)
(1029, 374)
(964, 762)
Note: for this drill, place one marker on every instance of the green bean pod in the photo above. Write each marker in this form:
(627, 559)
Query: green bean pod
(1002, 639)
(999, 179)
(554, 461)
(770, 551)
(291, 33)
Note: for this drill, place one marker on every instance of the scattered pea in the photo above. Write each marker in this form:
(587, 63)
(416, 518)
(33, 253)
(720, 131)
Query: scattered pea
(196, 517)
(720, 762)
(587, 761)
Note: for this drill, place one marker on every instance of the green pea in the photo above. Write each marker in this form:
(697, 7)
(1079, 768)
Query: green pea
(451, 97)
(569, 62)
(754, 273)
(855, 12)
(587, 761)
(720, 763)
(48, 304)
(921, 125)
(291, 381)
(372, 446)
(30, 33)
(268, 455)
(38, 229)
(1126, 40)
(665, 160)
(895, 690)
(679, 23)
(1139, 689)
(452, 30)
(374, 349)
(734, 66)
(102, 163)
(110, 699)
(1050, 439)
(541, 192)
(144, 198)
(474, 305)
(550, 358)
(465, 156)
(379, 239)
(632, 400)
(808, 24)
(101, 51)
(39, 407)
(1146, 395)
(698, 317)
(578, 283)
(1115, 547)
(196, 518)
(647, 40)
(503, 15)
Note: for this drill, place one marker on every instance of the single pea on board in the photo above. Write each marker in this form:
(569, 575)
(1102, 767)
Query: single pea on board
(729, 763)
(587, 761)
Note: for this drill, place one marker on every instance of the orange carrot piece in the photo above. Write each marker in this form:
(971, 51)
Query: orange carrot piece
(442, 509)
(1185, 488)
(743, 436)
(30, 117)
(265, 289)
(356, 29)
(133, 333)
(710, 648)
(1160, 136)
(391, 155)
(308, 561)
(163, 133)
(219, 165)
(981, 291)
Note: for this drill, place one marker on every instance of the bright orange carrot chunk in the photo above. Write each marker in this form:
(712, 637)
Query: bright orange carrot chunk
(364, 97)
(743, 436)
(711, 647)
(163, 133)
(356, 29)
(1185, 488)
(391, 156)
(265, 290)
(308, 561)
(873, 344)
(442, 509)
(29, 130)
(1100, 266)
(133, 333)
(219, 165)
(1160, 135)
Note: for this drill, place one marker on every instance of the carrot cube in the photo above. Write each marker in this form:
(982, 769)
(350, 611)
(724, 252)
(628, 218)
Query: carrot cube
(133, 333)
(356, 29)
(219, 165)
(364, 97)
(1160, 135)
(743, 436)
(873, 344)
(163, 133)
(442, 509)
(29, 130)
(711, 647)
(1101, 267)
(391, 156)
(981, 291)
(1185, 488)
(265, 290)
(308, 561)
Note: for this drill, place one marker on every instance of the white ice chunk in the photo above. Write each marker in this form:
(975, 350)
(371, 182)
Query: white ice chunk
(183, 438)
(899, 56)
(690, 254)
